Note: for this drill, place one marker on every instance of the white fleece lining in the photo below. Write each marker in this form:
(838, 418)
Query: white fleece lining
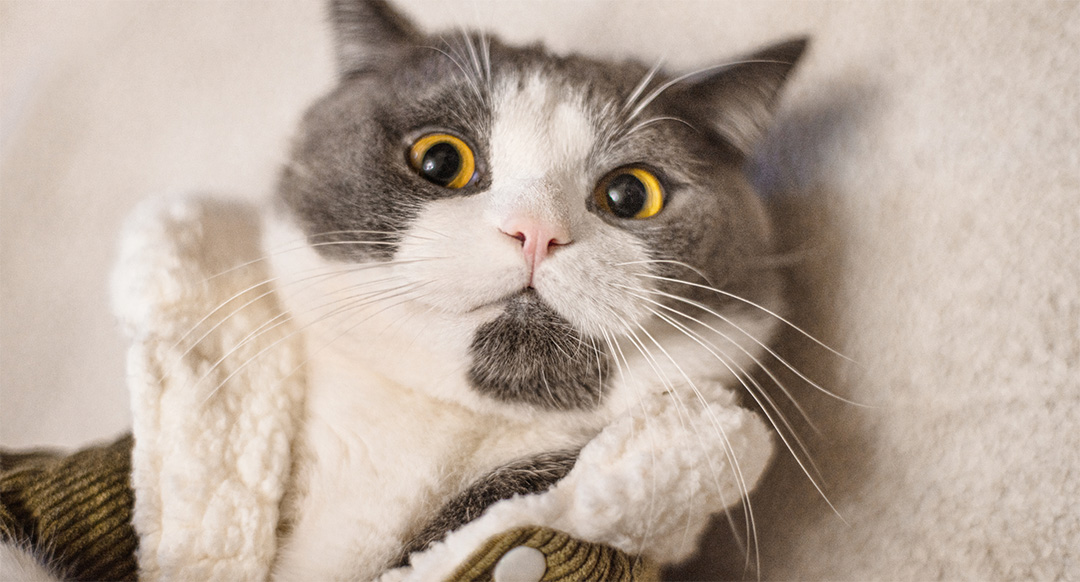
(211, 455)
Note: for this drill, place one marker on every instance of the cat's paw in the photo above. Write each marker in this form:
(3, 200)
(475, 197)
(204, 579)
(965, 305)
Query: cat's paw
(646, 485)
(649, 482)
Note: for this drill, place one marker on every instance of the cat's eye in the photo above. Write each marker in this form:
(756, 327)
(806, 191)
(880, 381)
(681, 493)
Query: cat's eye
(443, 159)
(631, 192)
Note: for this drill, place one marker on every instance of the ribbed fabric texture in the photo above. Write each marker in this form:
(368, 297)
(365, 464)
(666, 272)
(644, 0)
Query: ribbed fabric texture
(72, 510)
(568, 559)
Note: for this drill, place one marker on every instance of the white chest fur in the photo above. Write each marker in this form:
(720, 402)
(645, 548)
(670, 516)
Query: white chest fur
(376, 460)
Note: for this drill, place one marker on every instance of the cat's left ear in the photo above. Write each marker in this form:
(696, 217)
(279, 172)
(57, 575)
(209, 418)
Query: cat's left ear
(367, 31)
(738, 100)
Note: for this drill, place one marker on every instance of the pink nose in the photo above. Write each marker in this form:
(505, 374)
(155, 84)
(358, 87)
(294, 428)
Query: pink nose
(538, 237)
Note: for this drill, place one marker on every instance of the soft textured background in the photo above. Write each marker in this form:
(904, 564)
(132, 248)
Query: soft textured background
(928, 153)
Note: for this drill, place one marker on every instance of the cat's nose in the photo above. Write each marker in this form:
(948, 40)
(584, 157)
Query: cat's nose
(538, 238)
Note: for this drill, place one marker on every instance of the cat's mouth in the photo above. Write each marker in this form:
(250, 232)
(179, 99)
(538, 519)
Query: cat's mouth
(524, 296)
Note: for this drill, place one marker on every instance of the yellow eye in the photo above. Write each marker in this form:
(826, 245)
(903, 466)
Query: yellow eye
(443, 159)
(631, 193)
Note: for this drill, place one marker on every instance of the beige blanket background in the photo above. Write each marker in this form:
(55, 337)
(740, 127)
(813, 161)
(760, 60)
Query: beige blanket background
(928, 155)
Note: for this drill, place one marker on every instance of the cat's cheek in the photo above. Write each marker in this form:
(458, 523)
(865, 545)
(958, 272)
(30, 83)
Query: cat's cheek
(602, 286)
(460, 259)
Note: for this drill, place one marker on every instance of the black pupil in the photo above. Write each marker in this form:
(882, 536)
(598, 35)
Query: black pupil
(626, 195)
(441, 163)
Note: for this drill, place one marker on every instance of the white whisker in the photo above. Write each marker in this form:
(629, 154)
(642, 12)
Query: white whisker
(729, 452)
(485, 44)
(302, 243)
(653, 120)
(317, 351)
(771, 352)
(250, 302)
(645, 412)
(753, 304)
(474, 56)
(703, 71)
(745, 352)
(712, 349)
(798, 460)
(348, 269)
(461, 68)
(640, 88)
(284, 318)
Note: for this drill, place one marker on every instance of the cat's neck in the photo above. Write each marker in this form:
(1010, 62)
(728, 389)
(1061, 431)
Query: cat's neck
(370, 449)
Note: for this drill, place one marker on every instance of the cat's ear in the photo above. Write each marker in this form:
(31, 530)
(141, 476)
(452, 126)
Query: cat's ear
(738, 100)
(366, 31)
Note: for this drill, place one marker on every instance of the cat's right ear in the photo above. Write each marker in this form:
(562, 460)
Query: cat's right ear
(737, 99)
(367, 31)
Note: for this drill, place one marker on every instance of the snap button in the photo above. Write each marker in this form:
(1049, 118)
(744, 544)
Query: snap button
(521, 564)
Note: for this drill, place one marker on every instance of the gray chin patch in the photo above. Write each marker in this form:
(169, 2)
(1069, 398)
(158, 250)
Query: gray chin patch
(531, 355)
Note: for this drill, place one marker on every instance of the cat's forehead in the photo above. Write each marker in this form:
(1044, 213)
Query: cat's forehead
(538, 126)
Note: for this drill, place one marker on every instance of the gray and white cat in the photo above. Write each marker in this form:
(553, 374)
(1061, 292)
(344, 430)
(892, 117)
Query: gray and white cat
(504, 253)
(506, 250)
(511, 273)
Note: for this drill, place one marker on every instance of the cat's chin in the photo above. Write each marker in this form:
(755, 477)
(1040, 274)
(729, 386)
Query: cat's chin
(530, 354)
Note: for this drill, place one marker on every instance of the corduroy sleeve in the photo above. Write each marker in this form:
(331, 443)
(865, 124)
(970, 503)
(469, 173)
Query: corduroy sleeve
(566, 559)
(72, 510)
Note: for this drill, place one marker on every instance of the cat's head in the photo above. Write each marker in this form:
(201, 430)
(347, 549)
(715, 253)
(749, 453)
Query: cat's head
(526, 227)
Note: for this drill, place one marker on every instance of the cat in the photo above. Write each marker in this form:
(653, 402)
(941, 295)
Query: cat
(494, 254)
(505, 250)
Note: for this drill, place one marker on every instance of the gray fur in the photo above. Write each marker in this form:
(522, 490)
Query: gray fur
(529, 354)
(365, 32)
(533, 475)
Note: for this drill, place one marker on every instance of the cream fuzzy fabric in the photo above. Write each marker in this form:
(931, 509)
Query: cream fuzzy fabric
(936, 143)
(216, 380)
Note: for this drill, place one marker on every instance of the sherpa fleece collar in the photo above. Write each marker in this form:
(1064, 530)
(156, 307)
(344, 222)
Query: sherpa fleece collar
(213, 415)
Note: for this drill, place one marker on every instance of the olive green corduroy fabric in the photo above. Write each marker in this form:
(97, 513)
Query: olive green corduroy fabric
(75, 509)
(568, 559)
